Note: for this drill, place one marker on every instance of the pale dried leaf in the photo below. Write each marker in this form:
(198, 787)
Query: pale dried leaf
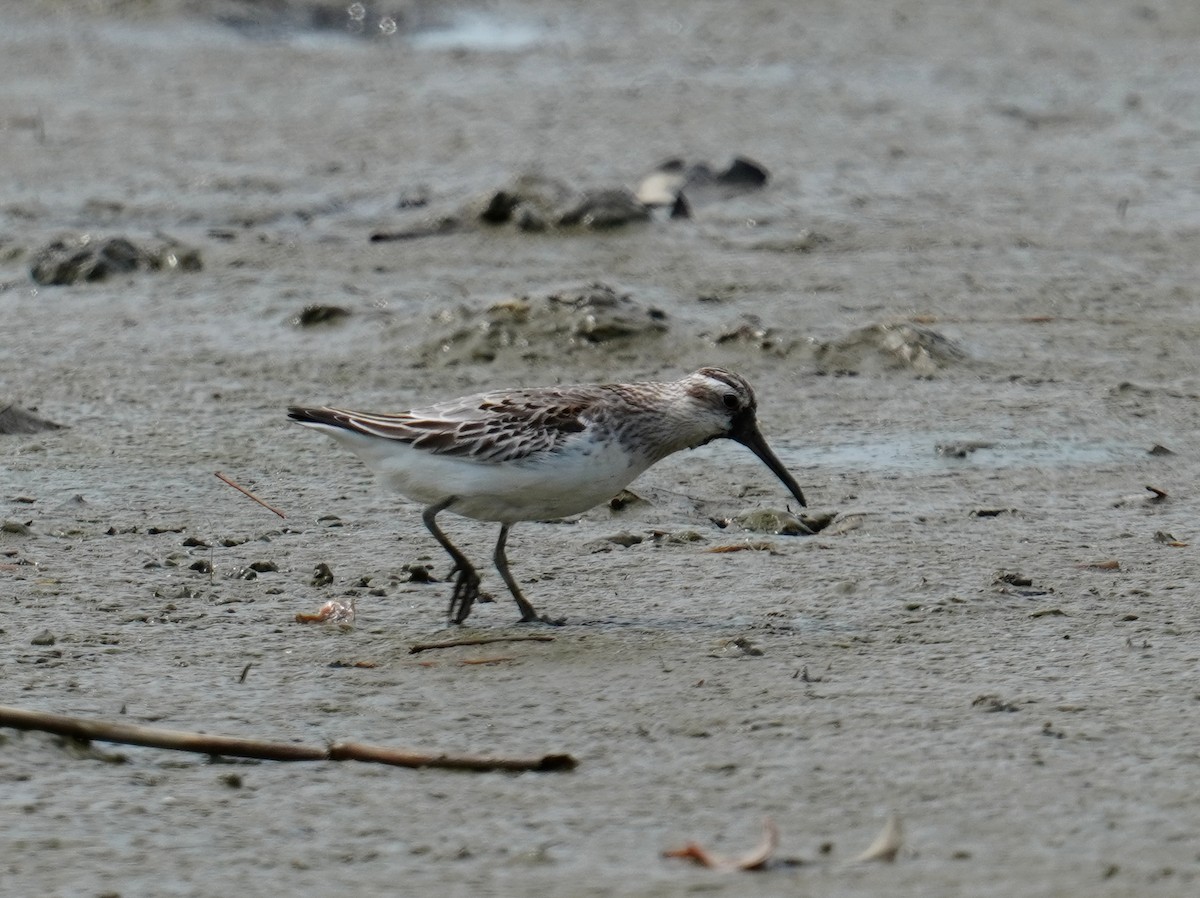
(887, 844)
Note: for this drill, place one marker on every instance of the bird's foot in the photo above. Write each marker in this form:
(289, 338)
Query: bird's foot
(466, 591)
(532, 617)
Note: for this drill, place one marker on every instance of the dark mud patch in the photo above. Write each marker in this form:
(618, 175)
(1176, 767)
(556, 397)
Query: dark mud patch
(885, 347)
(593, 319)
(85, 259)
(17, 420)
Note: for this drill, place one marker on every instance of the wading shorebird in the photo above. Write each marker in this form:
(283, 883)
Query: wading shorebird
(539, 454)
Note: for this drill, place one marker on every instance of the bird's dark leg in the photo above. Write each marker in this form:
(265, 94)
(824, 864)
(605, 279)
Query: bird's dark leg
(466, 581)
(528, 614)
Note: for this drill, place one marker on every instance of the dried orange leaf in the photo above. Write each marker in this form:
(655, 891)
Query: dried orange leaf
(333, 611)
(752, 860)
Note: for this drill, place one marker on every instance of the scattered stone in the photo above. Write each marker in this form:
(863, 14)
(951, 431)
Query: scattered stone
(538, 203)
(417, 198)
(203, 566)
(1161, 536)
(741, 173)
(1013, 579)
(750, 333)
(662, 188)
(17, 420)
(264, 567)
(533, 196)
(535, 203)
(86, 750)
(16, 528)
(43, 638)
(769, 520)
(803, 241)
(847, 523)
(1156, 449)
(445, 224)
(678, 537)
(748, 546)
(322, 575)
(676, 184)
(625, 499)
(315, 314)
(816, 521)
(418, 573)
(602, 210)
(746, 646)
(993, 704)
(877, 348)
(962, 449)
(1156, 496)
(625, 539)
(593, 317)
(85, 259)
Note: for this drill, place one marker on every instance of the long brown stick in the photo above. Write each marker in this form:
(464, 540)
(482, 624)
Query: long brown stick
(244, 491)
(234, 747)
(353, 751)
(478, 640)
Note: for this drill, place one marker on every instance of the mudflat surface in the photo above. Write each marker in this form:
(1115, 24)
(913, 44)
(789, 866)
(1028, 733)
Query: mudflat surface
(996, 642)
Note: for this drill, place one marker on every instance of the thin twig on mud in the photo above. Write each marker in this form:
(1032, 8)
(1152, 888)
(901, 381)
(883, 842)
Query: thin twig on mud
(242, 489)
(478, 640)
(235, 747)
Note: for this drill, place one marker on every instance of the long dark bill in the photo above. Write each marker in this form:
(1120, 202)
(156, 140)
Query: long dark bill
(746, 432)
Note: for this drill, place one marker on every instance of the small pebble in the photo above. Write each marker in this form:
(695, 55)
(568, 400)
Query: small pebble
(770, 520)
(322, 575)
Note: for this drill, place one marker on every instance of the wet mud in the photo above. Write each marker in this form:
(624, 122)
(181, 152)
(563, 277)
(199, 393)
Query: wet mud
(966, 297)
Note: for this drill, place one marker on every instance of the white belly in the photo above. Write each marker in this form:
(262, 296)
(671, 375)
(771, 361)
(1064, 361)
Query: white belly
(543, 487)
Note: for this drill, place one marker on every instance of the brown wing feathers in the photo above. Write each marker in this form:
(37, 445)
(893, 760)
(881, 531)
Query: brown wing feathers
(493, 430)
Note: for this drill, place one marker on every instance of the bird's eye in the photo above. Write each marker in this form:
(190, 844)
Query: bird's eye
(731, 401)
